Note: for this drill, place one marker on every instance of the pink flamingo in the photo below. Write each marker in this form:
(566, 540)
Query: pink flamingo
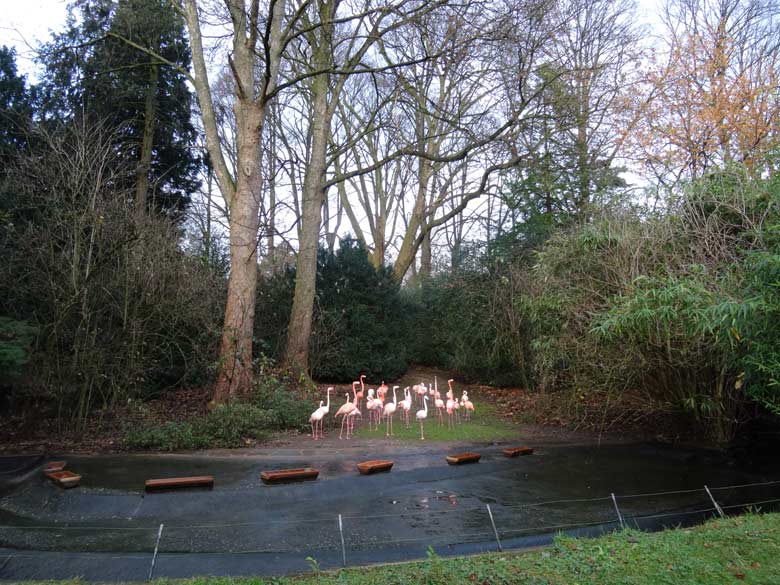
(439, 407)
(468, 406)
(406, 405)
(450, 406)
(422, 415)
(345, 409)
(389, 412)
(436, 393)
(360, 394)
(351, 422)
(455, 404)
(420, 391)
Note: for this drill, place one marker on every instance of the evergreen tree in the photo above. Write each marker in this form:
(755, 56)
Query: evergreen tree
(15, 107)
(121, 61)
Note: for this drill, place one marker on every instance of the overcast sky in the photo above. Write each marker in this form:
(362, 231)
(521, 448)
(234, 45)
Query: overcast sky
(24, 22)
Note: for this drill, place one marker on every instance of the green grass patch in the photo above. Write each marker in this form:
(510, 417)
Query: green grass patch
(722, 552)
(484, 425)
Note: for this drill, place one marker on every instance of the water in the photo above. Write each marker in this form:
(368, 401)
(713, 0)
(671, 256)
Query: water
(422, 502)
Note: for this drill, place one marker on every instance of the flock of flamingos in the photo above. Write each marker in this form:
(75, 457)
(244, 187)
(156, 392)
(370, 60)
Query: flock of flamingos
(378, 409)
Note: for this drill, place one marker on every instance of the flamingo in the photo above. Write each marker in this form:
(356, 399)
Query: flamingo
(351, 422)
(382, 391)
(389, 412)
(420, 391)
(468, 406)
(360, 393)
(436, 393)
(379, 408)
(371, 405)
(345, 409)
(406, 405)
(314, 420)
(439, 406)
(422, 415)
(318, 416)
(450, 406)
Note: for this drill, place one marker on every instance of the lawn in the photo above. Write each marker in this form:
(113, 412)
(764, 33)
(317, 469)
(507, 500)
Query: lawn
(484, 425)
(744, 549)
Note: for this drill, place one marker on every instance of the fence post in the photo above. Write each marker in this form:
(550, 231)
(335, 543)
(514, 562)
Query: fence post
(619, 515)
(154, 556)
(343, 547)
(493, 523)
(717, 506)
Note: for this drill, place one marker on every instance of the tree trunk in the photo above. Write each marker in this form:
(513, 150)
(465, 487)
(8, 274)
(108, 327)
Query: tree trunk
(147, 141)
(408, 251)
(235, 369)
(296, 354)
(426, 257)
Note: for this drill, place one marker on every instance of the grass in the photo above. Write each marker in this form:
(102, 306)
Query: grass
(483, 426)
(745, 549)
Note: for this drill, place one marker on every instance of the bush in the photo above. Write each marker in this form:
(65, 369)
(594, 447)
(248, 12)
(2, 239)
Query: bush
(120, 311)
(16, 337)
(360, 322)
(227, 426)
(286, 408)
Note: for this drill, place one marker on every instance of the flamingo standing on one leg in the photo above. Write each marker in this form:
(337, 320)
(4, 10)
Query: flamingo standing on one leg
(421, 390)
(345, 409)
(450, 406)
(389, 412)
(422, 415)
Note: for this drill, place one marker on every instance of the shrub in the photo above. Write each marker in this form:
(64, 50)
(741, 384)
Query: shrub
(227, 426)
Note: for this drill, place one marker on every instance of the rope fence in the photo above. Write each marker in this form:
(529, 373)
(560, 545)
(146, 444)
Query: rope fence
(490, 525)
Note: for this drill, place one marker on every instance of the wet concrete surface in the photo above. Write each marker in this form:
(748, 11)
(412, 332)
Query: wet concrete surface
(244, 527)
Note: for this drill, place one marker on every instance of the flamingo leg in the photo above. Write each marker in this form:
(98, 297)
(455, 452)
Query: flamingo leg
(422, 436)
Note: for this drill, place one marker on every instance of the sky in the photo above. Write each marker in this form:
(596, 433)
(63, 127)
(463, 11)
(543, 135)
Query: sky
(26, 23)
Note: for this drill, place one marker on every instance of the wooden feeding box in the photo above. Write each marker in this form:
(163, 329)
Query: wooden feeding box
(65, 479)
(516, 451)
(378, 466)
(289, 475)
(461, 458)
(173, 483)
(53, 466)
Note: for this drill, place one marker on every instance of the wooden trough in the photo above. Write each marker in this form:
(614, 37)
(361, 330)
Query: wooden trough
(377, 466)
(53, 466)
(64, 479)
(517, 451)
(461, 458)
(174, 483)
(289, 475)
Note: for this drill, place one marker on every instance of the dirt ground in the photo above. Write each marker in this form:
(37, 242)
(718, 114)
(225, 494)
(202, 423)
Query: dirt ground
(549, 417)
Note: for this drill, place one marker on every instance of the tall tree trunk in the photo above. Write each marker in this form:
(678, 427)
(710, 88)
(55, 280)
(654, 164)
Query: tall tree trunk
(296, 354)
(235, 371)
(426, 257)
(147, 141)
(408, 251)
